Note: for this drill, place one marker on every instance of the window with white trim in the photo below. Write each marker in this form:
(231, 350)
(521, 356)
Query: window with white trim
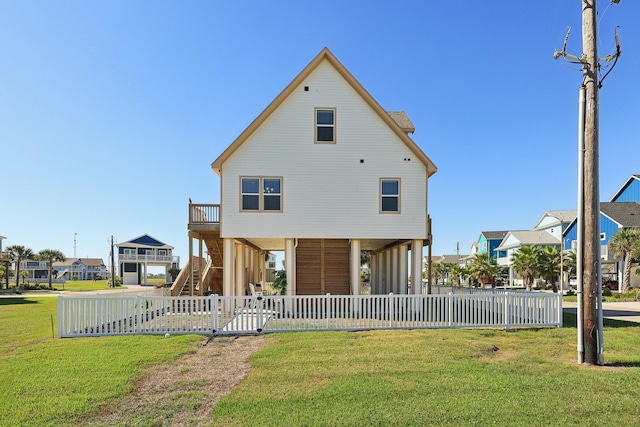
(260, 194)
(389, 195)
(325, 125)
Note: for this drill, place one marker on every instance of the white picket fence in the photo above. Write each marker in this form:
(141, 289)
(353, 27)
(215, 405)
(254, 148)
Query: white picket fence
(101, 315)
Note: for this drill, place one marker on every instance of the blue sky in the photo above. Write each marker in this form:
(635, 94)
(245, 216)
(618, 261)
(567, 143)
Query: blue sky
(112, 112)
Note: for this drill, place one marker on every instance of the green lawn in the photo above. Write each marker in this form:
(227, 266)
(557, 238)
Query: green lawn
(421, 377)
(84, 285)
(48, 381)
(439, 377)
(93, 285)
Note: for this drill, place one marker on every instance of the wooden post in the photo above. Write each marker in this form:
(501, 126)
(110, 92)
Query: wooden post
(591, 254)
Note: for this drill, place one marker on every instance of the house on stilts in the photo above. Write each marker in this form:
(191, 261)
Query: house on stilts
(322, 174)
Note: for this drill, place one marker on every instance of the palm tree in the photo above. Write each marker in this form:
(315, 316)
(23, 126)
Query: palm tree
(570, 263)
(550, 265)
(526, 262)
(436, 271)
(50, 255)
(483, 268)
(18, 253)
(624, 244)
(460, 273)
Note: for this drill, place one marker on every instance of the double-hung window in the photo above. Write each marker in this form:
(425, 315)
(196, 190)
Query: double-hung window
(261, 194)
(389, 195)
(325, 125)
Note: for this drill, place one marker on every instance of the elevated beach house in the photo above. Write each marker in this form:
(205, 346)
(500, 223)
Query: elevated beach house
(135, 256)
(323, 173)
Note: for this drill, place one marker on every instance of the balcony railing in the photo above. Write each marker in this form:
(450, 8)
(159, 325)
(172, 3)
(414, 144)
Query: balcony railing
(149, 258)
(204, 216)
(204, 213)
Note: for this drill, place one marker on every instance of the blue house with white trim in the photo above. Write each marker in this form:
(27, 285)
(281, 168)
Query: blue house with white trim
(622, 211)
(489, 241)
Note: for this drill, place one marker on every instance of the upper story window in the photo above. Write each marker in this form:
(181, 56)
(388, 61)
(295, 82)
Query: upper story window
(261, 194)
(325, 125)
(390, 195)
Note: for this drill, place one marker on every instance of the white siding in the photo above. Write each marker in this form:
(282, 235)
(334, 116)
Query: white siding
(326, 190)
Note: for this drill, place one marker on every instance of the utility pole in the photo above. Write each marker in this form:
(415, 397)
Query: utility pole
(590, 336)
(591, 249)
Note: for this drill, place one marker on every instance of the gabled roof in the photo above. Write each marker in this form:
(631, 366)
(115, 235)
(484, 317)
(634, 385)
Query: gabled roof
(452, 259)
(626, 214)
(326, 55)
(563, 217)
(494, 235)
(145, 241)
(515, 239)
(624, 186)
(94, 262)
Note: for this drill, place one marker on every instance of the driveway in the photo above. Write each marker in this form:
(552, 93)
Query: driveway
(627, 311)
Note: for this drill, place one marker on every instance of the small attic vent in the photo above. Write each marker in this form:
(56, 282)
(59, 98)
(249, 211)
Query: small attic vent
(306, 88)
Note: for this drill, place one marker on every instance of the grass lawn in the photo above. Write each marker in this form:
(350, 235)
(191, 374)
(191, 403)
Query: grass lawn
(439, 377)
(84, 285)
(48, 381)
(421, 377)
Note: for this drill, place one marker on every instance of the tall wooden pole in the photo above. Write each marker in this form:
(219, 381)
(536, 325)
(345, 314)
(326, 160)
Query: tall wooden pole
(591, 253)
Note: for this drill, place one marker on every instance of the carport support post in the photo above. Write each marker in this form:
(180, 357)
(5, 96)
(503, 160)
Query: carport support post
(290, 269)
(355, 272)
(228, 262)
(416, 266)
(355, 267)
(403, 267)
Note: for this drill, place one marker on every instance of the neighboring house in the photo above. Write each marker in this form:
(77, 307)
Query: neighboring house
(514, 240)
(489, 241)
(547, 231)
(79, 269)
(38, 270)
(136, 255)
(459, 260)
(614, 216)
(323, 173)
(629, 192)
(270, 267)
(555, 222)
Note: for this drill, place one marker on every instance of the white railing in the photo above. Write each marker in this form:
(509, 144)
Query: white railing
(91, 316)
(149, 258)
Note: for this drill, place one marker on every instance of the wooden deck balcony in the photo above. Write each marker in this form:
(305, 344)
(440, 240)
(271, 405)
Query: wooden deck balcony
(204, 217)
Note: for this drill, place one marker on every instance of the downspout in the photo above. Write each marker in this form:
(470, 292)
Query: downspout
(580, 222)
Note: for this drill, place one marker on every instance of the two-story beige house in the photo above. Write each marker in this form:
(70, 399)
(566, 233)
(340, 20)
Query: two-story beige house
(323, 173)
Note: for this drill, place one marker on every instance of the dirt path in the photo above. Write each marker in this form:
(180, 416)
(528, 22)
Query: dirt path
(183, 392)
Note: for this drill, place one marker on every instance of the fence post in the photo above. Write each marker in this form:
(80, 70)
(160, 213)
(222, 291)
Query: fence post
(450, 309)
(60, 315)
(213, 308)
(507, 313)
(391, 311)
(138, 314)
(560, 319)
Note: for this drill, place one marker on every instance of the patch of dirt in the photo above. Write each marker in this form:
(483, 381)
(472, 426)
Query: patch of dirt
(183, 392)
